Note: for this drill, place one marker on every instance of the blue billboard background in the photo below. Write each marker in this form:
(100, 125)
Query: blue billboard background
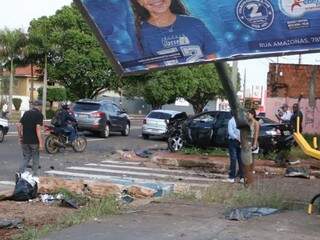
(241, 29)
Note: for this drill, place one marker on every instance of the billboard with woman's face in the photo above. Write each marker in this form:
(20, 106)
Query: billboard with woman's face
(139, 35)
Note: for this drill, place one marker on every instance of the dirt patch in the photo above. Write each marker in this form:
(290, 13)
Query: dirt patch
(34, 214)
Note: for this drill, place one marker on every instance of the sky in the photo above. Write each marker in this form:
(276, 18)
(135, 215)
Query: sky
(18, 14)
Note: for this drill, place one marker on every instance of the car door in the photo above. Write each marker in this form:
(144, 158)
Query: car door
(220, 138)
(112, 117)
(200, 129)
(121, 116)
(116, 118)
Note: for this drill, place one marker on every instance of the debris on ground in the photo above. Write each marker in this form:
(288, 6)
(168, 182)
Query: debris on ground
(11, 223)
(26, 187)
(70, 203)
(297, 172)
(144, 153)
(241, 214)
(294, 162)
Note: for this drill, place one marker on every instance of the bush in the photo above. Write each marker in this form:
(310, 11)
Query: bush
(17, 103)
(50, 113)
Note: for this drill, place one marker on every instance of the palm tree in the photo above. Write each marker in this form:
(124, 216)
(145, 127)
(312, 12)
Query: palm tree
(11, 47)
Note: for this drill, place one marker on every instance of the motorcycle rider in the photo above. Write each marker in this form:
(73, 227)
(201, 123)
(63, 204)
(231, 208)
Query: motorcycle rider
(64, 120)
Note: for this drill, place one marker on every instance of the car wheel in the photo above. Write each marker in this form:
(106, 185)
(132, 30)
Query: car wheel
(1, 134)
(126, 131)
(145, 136)
(175, 143)
(106, 132)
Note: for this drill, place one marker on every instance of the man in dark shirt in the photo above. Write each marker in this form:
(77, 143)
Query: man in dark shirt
(295, 114)
(29, 130)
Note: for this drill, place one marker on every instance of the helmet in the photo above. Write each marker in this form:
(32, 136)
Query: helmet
(64, 105)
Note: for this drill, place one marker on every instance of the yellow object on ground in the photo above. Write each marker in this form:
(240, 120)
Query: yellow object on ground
(304, 145)
(306, 148)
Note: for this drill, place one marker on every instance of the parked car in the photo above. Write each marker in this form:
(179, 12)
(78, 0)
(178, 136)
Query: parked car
(210, 129)
(4, 128)
(154, 123)
(101, 116)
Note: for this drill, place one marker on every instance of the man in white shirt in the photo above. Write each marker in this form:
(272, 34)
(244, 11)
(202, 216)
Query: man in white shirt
(284, 116)
(234, 151)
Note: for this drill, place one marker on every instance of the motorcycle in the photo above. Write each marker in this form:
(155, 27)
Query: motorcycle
(58, 141)
(174, 134)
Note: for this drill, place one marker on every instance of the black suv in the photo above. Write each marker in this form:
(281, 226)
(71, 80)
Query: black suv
(101, 116)
(210, 129)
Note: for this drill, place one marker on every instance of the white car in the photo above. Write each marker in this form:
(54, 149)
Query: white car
(4, 128)
(154, 123)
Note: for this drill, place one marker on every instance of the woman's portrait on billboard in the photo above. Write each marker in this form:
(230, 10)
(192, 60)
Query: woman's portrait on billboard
(163, 27)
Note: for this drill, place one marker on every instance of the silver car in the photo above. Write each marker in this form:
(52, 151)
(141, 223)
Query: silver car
(154, 123)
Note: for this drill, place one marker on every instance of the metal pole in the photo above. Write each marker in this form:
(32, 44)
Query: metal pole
(235, 73)
(244, 86)
(45, 83)
(242, 123)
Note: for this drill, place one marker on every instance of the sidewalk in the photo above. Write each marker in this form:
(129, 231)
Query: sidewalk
(189, 221)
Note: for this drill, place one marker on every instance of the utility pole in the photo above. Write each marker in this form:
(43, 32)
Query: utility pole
(234, 76)
(300, 59)
(244, 86)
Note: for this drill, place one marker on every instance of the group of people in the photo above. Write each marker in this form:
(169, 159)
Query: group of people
(29, 132)
(284, 115)
(245, 169)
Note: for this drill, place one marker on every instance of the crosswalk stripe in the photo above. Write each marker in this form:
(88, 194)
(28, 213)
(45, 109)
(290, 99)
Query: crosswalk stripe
(121, 162)
(184, 172)
(7, 183)
(117, 178)
(157, 175)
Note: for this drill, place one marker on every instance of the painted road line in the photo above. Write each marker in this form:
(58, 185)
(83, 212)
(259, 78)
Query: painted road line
(95, 139)
(115, 178)
(9, 183)
(121, 162)
(152, 169)
(143, 174)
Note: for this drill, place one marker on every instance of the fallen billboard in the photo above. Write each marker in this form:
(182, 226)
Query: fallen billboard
(140, 35)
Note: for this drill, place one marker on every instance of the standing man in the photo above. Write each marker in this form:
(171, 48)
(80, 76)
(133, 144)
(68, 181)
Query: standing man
(234, 152)
(293, 121)
(29, 130)
(285, 115)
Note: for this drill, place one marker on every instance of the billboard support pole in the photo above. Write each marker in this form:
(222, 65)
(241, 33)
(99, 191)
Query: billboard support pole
(239, 114)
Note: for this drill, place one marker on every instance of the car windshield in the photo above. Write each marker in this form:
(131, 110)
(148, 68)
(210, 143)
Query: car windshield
(86, 107)
(159, 115)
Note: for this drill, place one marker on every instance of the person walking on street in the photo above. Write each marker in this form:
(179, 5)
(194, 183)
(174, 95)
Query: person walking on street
(29, 131)
(293, 121)
(254, 132)
(234, 151)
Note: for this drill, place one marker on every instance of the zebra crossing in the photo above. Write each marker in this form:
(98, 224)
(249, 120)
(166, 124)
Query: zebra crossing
(133, 172)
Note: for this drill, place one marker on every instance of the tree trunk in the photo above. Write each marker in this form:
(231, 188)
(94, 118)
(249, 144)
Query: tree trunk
(242, 123)
(32, 84)
(11, 86)
(45, 83)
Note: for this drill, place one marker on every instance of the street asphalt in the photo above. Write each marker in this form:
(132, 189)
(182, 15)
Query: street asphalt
(97, 150)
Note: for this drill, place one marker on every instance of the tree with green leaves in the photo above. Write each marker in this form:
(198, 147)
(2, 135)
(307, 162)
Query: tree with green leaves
(12, 43)
(54, 94)
(78, 63)
(197, 84)
(41, 46)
